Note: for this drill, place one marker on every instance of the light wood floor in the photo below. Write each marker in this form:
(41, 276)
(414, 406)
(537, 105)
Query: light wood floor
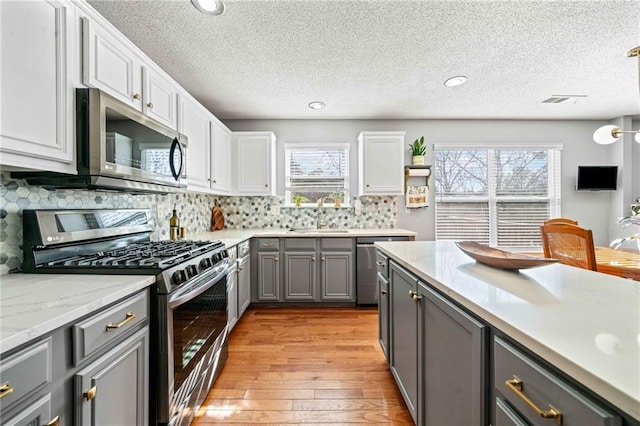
(305, 366)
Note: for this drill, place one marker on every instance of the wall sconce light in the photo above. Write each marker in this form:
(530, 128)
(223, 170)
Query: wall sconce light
(608, 134)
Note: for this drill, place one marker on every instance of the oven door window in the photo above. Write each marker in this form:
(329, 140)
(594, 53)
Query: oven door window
(196, 326)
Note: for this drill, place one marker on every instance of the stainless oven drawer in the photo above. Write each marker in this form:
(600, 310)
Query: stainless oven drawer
(105, 327)
(548, 392)
(25, 372)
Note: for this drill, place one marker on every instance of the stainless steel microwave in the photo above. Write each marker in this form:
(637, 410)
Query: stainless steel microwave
(120, 148)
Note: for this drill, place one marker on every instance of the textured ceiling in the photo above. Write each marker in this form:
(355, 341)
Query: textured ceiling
(388, 59)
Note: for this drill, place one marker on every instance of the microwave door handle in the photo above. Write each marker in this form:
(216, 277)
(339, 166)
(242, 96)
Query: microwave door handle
(175, 145)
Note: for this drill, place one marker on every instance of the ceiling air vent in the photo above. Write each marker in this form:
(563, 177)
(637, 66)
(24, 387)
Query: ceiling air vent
(556, 99)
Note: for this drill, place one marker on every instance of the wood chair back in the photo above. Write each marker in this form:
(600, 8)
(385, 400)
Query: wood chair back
(571, 244)
(560, 220)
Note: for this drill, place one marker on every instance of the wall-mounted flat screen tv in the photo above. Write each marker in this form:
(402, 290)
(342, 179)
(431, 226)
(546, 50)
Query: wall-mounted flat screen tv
(597, 178)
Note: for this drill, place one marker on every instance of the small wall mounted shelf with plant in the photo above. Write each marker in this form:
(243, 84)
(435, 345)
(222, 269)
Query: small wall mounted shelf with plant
(417, 151)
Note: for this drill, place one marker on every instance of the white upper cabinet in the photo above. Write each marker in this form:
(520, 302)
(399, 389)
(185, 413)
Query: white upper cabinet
(110, 64)
(194, 122)
(38, 59)
(380, 163)
(220, 158)
(254, 157)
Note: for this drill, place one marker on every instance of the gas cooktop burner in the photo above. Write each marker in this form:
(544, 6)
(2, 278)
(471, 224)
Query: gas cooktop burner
(151, 254)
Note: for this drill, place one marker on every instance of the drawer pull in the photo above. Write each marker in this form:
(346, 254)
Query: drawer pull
(53, 422)
(5, 389)
(379, 263)
(267, 244)
(383, 292)
(516, 386)
(91, 393)
(129, 316)
(414, 296)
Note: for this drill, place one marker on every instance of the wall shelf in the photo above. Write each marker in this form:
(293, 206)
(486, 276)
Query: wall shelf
(417, 172)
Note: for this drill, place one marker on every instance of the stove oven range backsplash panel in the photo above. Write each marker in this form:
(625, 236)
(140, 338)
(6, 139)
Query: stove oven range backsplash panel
(194, 211)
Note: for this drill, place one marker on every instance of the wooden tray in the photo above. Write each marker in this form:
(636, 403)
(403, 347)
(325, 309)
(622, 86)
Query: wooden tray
(501, 259)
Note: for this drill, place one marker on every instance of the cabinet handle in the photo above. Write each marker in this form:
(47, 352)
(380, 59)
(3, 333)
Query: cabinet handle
(214, 181)
(91, 393)
(313, 258)
(516, 385)
(379, 263)
(150, 104)
(275, 259)
(266, 185)
(5, 389)
(136, 96)
(322, 258)
(129, 316)
(368, 185)
(53, 422)
(383, 292)
(414, 296)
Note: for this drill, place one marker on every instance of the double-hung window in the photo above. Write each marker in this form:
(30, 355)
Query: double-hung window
(496, 195)
(313, 172)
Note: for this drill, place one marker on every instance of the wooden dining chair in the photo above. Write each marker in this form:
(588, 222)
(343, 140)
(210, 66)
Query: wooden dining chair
(560, 220)
(571, 244)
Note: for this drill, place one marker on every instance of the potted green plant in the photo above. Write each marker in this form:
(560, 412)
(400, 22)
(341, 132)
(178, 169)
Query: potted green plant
(337, 198)
(297, 199)
(418, 150)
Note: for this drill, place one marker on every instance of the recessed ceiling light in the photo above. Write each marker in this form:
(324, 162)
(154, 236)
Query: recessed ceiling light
(209, 7)
(316, 105)
(455, 81)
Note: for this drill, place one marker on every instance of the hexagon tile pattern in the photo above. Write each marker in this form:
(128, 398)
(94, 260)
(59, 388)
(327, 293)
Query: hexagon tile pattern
(194, 211)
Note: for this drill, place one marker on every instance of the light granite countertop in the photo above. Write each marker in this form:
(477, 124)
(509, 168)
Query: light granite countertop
(232, 237)
(32, 305)
(585, 323)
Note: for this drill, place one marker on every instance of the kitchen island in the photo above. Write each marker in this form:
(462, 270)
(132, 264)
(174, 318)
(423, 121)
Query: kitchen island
(584, 324)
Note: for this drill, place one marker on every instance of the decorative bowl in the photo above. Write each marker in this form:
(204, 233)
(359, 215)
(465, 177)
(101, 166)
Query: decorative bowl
(501, 259)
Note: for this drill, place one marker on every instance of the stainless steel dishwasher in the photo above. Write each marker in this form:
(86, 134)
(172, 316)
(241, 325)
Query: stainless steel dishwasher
(366, 271)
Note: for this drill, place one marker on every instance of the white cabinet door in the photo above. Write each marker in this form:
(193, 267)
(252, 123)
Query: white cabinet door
(159, 97)
(37, 103)
(195, 124)
(380, 163)
(109, 65)
(255, 163)
(220, 158)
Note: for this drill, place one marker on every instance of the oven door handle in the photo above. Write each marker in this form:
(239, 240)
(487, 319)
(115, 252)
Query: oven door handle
(196, 287)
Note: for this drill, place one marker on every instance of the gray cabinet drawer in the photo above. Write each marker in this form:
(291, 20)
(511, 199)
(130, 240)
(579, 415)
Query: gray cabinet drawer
(107, 326)
(546, 390)
(38, 413)
(23, 373)
(505, 416)
(345, 244)
(299, 244)
(268, 244)
(382, 263)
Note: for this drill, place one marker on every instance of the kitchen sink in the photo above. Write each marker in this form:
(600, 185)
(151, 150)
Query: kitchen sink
(319, 231)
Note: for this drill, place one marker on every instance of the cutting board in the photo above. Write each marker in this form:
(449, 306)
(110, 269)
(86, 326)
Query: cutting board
(217, 219)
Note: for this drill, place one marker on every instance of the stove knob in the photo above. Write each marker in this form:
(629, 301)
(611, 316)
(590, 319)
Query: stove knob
(224, 254)
(192, 271)
(179, 277)
(205, 263)
(214, 258)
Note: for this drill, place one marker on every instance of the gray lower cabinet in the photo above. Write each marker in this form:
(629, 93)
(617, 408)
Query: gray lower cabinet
(404, 335)
(539, 396)
(312, 270)
(113, 390)
(300, 275)
(92, 371)
(452, 355)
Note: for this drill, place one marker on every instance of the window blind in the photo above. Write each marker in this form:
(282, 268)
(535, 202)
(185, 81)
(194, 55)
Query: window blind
(316, 172)
(497, 196)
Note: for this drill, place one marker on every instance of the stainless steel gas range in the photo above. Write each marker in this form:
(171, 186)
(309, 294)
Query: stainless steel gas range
(189, 301)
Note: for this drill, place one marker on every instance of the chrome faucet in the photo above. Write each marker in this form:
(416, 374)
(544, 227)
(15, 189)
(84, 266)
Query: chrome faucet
(319, 222)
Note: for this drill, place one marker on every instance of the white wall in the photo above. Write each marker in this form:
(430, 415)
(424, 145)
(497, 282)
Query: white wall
(591, 209)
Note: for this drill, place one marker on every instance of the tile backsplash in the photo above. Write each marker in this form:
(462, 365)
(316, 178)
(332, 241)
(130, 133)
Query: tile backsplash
(194, 211)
